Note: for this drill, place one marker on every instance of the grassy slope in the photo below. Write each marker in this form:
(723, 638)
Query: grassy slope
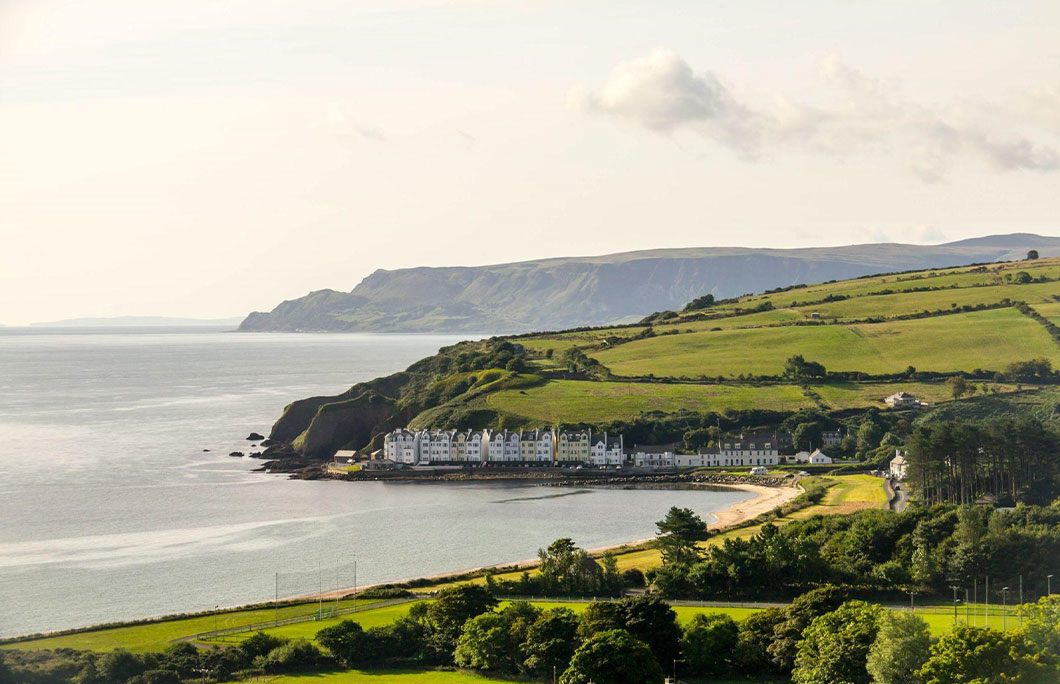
(982, 339)
(574, 400)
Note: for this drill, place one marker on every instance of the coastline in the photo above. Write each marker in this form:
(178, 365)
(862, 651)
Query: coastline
(764, 500)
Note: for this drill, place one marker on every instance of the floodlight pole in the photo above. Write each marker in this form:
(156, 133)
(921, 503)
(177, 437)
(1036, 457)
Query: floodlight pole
(1049, 585)
(954, 604)
(1004, 609)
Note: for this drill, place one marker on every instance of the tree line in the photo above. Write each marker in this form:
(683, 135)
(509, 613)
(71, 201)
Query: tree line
(1007, 459)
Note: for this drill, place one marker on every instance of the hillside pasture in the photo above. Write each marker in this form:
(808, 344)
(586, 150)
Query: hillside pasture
(982, 339)
(585, 401)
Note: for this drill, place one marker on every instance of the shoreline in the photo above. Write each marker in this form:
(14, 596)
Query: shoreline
(765, 499)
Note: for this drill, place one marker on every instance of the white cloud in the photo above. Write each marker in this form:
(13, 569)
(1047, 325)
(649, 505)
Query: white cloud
(850, 113)
(661, 92)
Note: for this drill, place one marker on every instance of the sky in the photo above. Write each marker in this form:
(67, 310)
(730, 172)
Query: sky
(207, 158)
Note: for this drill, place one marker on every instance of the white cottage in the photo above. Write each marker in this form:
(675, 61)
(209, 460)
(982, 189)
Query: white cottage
(607, 451)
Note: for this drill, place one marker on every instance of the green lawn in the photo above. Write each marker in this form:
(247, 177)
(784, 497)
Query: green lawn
(372, 617)
(984, 339)
(574, 400)
(155, 636)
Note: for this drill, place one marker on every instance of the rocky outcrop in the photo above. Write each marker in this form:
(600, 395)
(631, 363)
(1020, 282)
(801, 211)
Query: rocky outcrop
(352, 422)
(566, 292)
(255, 437)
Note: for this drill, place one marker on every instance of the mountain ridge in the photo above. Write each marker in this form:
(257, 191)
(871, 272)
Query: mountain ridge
(562, 292)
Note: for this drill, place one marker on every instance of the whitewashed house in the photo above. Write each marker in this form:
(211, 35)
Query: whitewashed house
(831, 438)
(504, 447)
(747, 450)
(899, 466)
(901, 399)
(607, 451)
(573, 447)
(698, 460)
(436, 446)
(818, 457)
(654, 459)
(402, 446)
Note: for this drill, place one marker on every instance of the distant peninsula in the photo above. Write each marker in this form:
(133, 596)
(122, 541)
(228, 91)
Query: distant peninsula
(551, 294)
(138, 322)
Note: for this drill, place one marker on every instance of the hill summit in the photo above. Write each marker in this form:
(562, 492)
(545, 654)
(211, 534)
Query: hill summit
(573, 291)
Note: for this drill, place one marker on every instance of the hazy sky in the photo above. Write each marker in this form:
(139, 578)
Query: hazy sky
(210, 157)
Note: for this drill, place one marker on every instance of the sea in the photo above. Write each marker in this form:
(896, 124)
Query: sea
(119, 500)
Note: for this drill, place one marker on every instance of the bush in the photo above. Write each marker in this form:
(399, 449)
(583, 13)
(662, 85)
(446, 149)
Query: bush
(299, 654)
(709, 643)
(384, 592)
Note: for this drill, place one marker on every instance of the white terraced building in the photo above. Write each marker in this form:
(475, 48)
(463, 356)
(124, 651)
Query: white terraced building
(607, 451)
(424, 447)
(747, 450)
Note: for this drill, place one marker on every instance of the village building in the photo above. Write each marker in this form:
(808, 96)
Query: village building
(831, 438)
(470, 446)
(504, 447)
(402, 446)
(898, 466)
(698, 460)
(607, 450)
(654, 459)
(573, 447)
(901, 399)
(757, 449)
(536, 446)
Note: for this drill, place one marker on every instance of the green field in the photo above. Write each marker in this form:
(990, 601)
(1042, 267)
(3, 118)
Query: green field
(841, 395)
(154, 636)
(1050, 310)
(574, 400)
(983, 339)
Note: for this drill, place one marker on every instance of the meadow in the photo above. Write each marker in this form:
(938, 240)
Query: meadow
(982, 339)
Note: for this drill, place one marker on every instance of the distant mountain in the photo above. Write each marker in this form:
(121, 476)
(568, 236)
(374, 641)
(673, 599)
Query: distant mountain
(573, 291)
(137, 322)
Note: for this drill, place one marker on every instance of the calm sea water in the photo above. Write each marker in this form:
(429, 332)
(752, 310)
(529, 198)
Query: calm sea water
(110, 508)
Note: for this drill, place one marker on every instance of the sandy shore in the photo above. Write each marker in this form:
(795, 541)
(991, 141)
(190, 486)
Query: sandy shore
(765, 500)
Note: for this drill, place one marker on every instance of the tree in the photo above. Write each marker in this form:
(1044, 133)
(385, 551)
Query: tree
(601, 616)
(1022, 278)
(958, 386)
(704, 302)
(259, 644)
(492, 641)
(900, 649)
(755, 636)
(869, 436)
(978, 654)
(120, 666)
(1041, 624)
(551, 642)
(678, 535)
(709, 643)
(613, 657)
(654, 622)
(1032, 254)
(299, 654)
(835, 647)
(807, 435)
(567, 569)
(346, 641)
(797, 617)
(453, 607)
(798, 368)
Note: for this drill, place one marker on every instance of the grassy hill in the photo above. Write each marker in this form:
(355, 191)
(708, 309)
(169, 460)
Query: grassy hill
(875, 336)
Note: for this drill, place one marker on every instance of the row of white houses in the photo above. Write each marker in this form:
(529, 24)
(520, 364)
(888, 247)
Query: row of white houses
(419, 447)
(426, 447)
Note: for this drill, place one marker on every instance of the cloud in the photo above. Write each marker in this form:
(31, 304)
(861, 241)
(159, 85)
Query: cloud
(850, 112)
(662, 93)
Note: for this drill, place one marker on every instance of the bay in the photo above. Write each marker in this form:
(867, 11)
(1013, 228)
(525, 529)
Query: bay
(112, 510)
